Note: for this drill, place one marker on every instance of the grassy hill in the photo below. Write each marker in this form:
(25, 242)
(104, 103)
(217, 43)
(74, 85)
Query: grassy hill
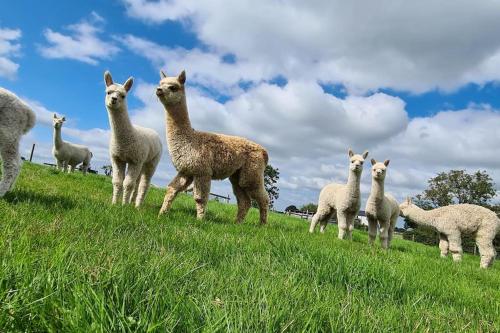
(72, 262)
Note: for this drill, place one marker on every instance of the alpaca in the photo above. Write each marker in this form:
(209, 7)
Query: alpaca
(16, 119)
(453, 221)
(381, 208)
(136, 146)
(342, 200)
(200, 157)
(67, 153)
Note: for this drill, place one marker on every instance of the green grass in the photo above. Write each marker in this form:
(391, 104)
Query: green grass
(71, 262)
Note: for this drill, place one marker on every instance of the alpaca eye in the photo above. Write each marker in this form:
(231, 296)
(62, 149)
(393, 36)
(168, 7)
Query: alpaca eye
(173, 88)
(109, 92)
(122, 96)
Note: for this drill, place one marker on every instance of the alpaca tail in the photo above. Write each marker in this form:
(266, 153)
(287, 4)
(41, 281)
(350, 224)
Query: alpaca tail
(30, 123)
(266, 156)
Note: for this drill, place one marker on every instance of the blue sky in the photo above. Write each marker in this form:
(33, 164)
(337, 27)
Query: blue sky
(408, 82)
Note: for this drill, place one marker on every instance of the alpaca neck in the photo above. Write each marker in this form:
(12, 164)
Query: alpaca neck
(377, 192)
(120, 123)
(353, 184)
(178, 122)
(420, 216)
(58, 142)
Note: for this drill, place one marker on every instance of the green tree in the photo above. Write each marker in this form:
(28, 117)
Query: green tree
(310, 207)
(108, 169)
(271, 177)
(458, 186)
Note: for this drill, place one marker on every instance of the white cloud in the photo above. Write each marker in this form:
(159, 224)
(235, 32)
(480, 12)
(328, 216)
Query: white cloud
(9, 48)
(83, 42)
(364, 45)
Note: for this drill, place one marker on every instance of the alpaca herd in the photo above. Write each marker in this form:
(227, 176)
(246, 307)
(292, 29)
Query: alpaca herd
(199, 157)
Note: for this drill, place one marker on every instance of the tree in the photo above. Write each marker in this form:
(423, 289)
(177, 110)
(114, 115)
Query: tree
(457, 186)
(108, 169)
(447, 188)
(310, 207)
(291, 208)
(271, 176)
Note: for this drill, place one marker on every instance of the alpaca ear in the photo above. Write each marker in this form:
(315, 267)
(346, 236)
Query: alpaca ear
(182, 77)
(55, 116)
(162, 74)
(365, 154)
(351, 154)
(63, 118)
(373, 161)
(386, 162)
(128, 84)
(107, 78)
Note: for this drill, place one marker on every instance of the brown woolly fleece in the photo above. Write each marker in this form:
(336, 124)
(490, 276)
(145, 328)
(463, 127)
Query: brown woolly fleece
(200, 157)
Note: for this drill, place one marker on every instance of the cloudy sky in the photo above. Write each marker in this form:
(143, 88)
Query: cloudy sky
(414, 82)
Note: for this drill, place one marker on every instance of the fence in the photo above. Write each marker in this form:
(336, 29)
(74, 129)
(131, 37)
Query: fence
(216, 197)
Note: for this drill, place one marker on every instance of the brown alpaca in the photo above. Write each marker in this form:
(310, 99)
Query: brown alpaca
(200, 157)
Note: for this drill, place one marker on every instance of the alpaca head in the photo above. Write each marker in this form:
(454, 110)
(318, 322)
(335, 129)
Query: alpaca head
(171, 91)
(116, 93)
(405, 206)
(379, 169)
(58, 122)
(356, 161)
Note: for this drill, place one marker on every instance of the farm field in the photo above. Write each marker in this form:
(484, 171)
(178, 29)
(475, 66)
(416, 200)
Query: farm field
(71, 262)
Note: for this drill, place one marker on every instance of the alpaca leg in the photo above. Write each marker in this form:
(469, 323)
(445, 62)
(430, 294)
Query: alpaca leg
(145, 181)
(85, 167)
(242, 198)
(322, 214)
(443, 245)
(484, 241)
(350, 226)
(392, 226)
(372, 230)
(178, 184)
(455, 241)
(136, 187)
(262, 198)
(342, 224)
(118, 176)
(133, 172)
(201, 191)
(65, 166)
(59, 165)
(71, 168)
(11, 165)
(384, 234)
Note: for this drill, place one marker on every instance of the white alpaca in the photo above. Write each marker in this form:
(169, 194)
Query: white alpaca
(67, 153)
(131, 147)
(381, 209)
(342, 199)
(16, 119)
(453, 221)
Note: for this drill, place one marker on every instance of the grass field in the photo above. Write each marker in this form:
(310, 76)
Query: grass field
(71, 262)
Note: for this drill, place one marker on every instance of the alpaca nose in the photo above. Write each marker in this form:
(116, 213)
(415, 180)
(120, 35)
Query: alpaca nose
(159, 91)
(114, 99)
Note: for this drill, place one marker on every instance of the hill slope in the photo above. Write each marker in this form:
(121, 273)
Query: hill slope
(72, 262)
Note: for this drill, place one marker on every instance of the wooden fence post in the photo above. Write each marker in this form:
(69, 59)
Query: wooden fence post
(32, 150)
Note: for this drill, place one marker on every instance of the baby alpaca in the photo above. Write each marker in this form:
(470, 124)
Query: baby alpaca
(16, 119)
(342, 200)
(381, 208)
(453, 221)
(136, 146)
(67, 153)
(200, 157)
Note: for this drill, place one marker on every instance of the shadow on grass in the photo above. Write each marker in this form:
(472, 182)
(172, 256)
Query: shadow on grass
(48, 200)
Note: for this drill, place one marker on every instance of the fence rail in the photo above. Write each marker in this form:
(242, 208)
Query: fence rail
(217, 197)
